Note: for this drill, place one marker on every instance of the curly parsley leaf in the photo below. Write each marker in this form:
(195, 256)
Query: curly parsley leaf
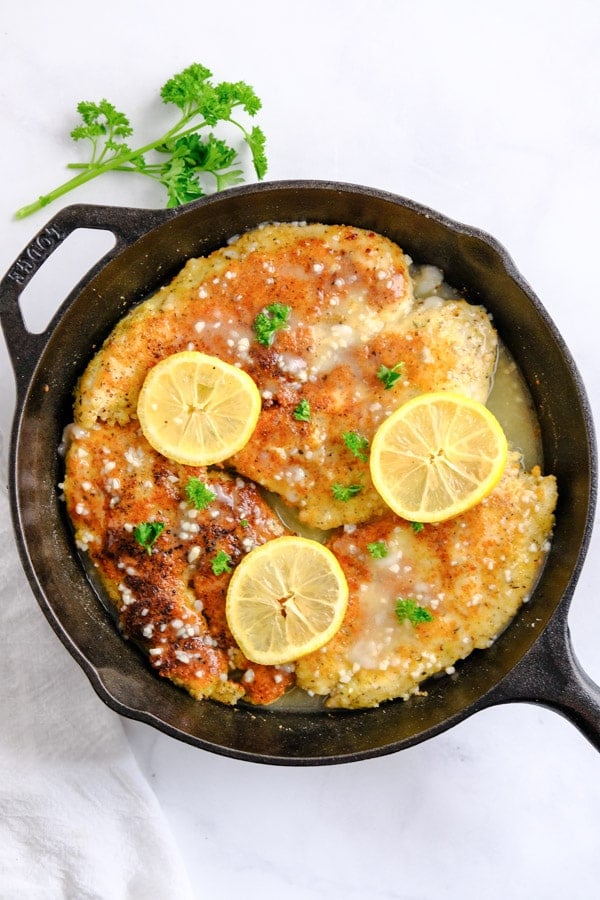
(238, 93)
(221, 563)
(146, 534)
(356, 444)
(198, 493)
(104, 126)
(189, 157)
(302, 412)
(188, 89)
(271, 319)
(181, 183)
(345, 492)
(409, 609)
(257, 140)
(377, 549)
(193, 156)
(389, 377)
(194, 93)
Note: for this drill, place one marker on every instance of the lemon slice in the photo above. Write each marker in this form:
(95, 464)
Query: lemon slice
(285, 599)
(436, 456)
(197, 409)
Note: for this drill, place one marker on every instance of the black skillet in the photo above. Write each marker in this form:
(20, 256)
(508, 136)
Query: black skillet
(532, 661)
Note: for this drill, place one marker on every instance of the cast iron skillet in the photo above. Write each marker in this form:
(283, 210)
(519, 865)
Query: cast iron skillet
(532, 661)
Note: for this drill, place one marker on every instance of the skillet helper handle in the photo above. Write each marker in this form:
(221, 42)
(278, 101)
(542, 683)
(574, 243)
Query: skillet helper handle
(551, 675)
(126, 224)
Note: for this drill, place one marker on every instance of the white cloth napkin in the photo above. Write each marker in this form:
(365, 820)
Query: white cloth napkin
(77, 817)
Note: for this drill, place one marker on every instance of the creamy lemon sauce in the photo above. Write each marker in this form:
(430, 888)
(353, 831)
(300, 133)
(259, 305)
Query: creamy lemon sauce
(511, 403)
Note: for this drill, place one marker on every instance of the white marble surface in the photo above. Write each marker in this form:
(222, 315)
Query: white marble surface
(488, 112)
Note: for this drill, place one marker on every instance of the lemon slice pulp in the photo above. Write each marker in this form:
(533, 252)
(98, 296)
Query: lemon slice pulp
(286, 598)
(437, 456)
(197, 409)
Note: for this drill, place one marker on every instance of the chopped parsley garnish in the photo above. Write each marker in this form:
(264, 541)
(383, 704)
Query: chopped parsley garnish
(147, 532)
(410, 609)
(198, 493)
(417, 527)
(302, 412)
(221, 563)
(345, 492)
(271, 319)
(244, 523)
(389, 377)
(356, 444)
(377, 549)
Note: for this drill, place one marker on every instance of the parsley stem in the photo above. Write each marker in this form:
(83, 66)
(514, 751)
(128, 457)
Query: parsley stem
(92, 170)
(64, 188)
(154, 172)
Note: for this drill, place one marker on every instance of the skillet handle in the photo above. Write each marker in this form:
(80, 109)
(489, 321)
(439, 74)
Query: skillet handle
(550, 674)
(127, 225)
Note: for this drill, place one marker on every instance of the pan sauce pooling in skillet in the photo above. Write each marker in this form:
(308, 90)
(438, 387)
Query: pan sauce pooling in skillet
(356, 304)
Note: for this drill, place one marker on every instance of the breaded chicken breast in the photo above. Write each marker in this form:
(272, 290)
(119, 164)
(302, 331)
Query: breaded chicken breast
(310, 461)
(467, 576)
(325, 274)
(169, 593)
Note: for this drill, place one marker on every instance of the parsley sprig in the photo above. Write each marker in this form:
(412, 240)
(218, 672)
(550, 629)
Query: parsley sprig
(146, 534)
(183, 156)
(389, 377)
(271, 319)
(198, 493)
(356, 444)
(345, 492)
(409, 609)
(302, 411)
(377, 549)
(221, 563)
